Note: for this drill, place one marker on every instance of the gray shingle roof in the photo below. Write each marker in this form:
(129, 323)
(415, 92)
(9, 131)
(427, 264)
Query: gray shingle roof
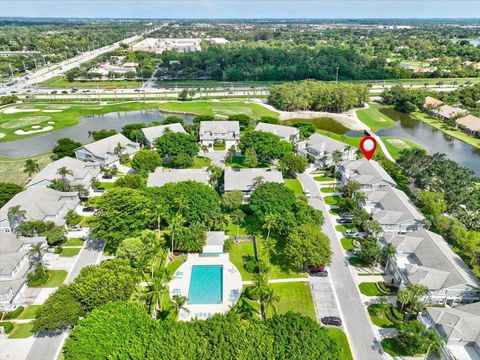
(324, 143)
(163, 176)
(215, 238)
(457, 323)
(433, 262)
(107, 146)
(208, 129)
(367, 172)
(395, 207)
(282, 131)
(242, 179)
(79, 169)
(154, 132)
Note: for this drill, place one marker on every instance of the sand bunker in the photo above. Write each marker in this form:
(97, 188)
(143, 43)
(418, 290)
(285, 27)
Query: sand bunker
(58, 107)
(21, 132)
(398, 143)
(36, 126)
(2, 135)
(50, 111)
(25, 121)
(51, 122)
(13, 110)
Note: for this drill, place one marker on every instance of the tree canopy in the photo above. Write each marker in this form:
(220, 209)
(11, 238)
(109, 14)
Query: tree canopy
(65, 147)
(8, 191)
(267, 146)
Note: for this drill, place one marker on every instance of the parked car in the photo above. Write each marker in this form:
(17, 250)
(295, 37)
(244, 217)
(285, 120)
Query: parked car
(307, 193)
(107, 177)
(320, 273)
(88, 209)
(331, 320)
(76, 228)
(99, 189)
(344, 221)
(350, 232)
(356, 251)
(347, 216)
(316, 268)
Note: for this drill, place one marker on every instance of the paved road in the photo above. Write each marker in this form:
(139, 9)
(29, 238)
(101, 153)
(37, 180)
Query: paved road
(359, 330)
(46, 347)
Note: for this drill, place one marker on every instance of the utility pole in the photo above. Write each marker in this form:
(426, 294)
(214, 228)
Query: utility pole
(336, 77)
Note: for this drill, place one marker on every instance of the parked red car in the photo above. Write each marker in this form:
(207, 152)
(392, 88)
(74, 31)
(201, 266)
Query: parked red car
(317, 268)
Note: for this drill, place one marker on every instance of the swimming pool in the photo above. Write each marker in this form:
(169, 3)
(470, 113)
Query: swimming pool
(206, 285)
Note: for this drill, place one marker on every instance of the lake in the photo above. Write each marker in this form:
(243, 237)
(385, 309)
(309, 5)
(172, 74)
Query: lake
(44, 143)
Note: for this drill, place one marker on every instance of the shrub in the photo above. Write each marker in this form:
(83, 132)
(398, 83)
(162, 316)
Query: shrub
(38, 277)
(7, 326)
(227, 245)
(58, 250)
(124, 159)
(251, 266)
(13, 314)
(384, 288)
(55, 235)
(251, 293)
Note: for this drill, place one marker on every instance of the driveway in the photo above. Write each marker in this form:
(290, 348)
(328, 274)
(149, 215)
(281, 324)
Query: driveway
(217, 157)
(324, 297)
(357, 324)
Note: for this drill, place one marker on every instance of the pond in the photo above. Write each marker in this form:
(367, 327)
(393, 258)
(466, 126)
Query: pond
(41, 144)
(432, 139)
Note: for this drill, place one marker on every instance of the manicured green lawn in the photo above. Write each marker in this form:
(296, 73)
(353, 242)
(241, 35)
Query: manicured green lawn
(107, 185)
(175, 263)
(294, 296)
(11, 170)
(373, 118)
(30, 312)
(339, 335)
(69, 252)
(201, 162)
(347, 243)
(332, 199)
(56, 278)
(221, 108)
(294, 185)
(344, 227)
(238, 254)
(328, 190)
(61, 82)
(219, 146)
(356, 261)
(21, 331)
(396, 144)
(370, 289)
(74, 242)
(392, 347)
(378, 316)
(323, 178)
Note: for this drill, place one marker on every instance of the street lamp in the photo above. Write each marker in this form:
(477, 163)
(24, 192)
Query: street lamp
(336, 78)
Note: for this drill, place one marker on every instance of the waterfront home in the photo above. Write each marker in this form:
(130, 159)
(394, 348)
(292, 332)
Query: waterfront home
(38, 203)
(368, 173)
(320, 148)
(163, 176)
(447, 112)
(153, 133)
(287, 133)
(15, 263)
(469, 124)
(431, 102)
(393, 210)
(107, 151)
(424, 258)
(245, 180)
(213, 132)
(458, 327)
(81, 173)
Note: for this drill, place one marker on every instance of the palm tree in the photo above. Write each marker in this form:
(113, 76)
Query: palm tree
(179, 303)
(237, 217)
(64, 171)
(36, 251)
(388, 251)
(260, 286)
(16, 214)
(178, 220)
(257, 181)
(269, 222)
(160, 213)
(31, 167)
(136, 134)
(269, 299)
(119, 149)
(336, 157)
(204, 148)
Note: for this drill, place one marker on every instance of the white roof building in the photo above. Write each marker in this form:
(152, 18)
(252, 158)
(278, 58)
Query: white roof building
(104, 151)
(154, 132)
(163, 176)
(226, 131)
(287, 133)
(321, 148)
(368, 173)
(243, 179)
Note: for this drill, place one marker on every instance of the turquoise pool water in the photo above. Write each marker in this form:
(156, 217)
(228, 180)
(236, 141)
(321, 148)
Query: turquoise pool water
(206, 285)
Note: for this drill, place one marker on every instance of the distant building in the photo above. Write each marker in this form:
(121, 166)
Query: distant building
(287, 133)
(107, 151)
(15, 264)
(424, 258)
(447, 112)
(393, 210)
(82, 173)
(154, 132)
(164, 176)
(180, 45)
(458, 327)
(219, 131)
(244, 180)
(320, 149)
(39, 203)
(431, 102)
(366, 172)
(470, 124)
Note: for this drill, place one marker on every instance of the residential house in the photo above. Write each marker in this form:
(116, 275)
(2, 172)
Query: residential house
(39, 203)
(107, 151)
(287, 133)
(368, 173)
(245, 180)
(458, 327)
(15, 264)
(164, 176)
(431, 102)
(424, 258)
(320, 149)
(82, 173)
(214, 243)
(393, 210)
(227, 132)
(470, 124)
(155, 132)
(447, 112)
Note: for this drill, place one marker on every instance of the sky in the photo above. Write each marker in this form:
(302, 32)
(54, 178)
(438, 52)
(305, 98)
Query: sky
(242, 9)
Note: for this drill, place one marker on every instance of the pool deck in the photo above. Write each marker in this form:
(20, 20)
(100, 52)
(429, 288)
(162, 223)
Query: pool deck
(232, 286)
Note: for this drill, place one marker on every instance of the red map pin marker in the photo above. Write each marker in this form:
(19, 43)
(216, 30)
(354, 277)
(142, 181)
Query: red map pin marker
(368, 145)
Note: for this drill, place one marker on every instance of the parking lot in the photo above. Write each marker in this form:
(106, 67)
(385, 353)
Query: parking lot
(324, 297)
